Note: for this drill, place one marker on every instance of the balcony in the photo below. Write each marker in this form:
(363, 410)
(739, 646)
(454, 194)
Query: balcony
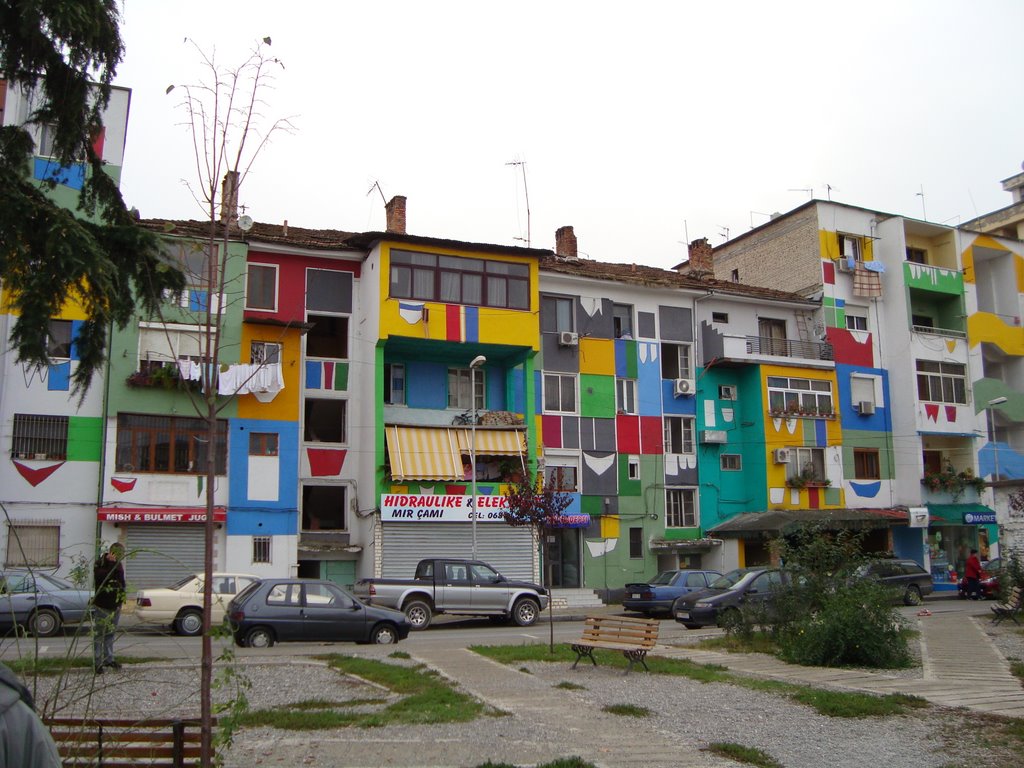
(940, 280)
(932, 331)
(734, 349)
(809, 350)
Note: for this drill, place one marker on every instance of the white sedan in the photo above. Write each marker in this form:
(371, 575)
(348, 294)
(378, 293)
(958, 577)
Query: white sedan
(181, 605)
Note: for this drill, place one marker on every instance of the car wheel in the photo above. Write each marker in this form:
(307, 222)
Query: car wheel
(525, 612)
(384, 634)
(45, 622)
(418, 613)
(259, 637)
(912, 596)
(189, 623)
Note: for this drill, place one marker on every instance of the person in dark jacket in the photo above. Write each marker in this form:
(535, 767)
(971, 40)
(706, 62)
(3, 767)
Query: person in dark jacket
(24, 740)
(108, 578)
(972, 573)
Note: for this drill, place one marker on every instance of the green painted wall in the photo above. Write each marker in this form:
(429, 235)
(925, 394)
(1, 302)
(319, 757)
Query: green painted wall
(597, 396)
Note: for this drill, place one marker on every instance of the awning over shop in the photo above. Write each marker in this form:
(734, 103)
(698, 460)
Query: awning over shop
(684, 545)
(423, 453)
(962, 514)
(492, 442)
(779, 521)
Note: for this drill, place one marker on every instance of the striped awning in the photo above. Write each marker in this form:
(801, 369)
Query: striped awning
(423, 453)
(492, 442)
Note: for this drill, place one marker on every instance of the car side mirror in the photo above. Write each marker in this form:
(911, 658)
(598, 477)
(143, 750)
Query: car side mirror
(498, 579)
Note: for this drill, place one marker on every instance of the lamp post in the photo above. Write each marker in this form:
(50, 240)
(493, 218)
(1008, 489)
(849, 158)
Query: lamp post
(476, 363)
(992, 436)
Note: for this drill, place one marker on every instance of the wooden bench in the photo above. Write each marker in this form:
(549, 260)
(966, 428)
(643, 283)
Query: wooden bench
(1010, 608)
(633, 636)
(118, 743)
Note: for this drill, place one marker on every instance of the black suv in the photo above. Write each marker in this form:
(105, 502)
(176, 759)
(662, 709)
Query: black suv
(906, 578)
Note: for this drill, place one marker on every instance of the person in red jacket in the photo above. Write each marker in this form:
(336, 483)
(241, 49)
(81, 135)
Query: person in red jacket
(972, 574)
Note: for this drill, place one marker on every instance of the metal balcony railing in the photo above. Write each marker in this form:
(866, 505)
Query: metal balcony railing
(810, 350)
(940, 331)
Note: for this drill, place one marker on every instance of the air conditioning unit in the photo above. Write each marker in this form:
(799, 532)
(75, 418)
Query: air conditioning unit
(847, 264)
(568, 339)
(682, 387)
(714, 436)
(781, 455)
(866, 407)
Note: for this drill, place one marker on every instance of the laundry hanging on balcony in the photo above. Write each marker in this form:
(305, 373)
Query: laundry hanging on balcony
(264, 380)
(866, 283)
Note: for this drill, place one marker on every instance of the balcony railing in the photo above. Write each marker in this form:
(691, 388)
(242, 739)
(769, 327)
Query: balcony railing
(940, 331)
(810, 350)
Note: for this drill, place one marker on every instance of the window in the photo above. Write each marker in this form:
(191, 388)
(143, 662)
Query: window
(328, 290)
(856, 322)
(933, 462)
(862, 389)
(261, 552)
(39, 437)
(633, 468)
(636, 543)
(264, 353)
(460, 384)
(735, 276)
(787, 394)
(30, 545)
(625, 395)
(726, 392)
(806, 463)
(866, 464)
(319, 596)
(680, 508)
(731, 462)
(562, 476)
(263, 444)
(323, 508)
(678, 434)
(558, 314)
(394, 383)
(328, 337)
(261, 287)
(161, 346)
(676, 361)
(941, 382)
(325, 420)
(285, 594)
(456, 280)
(168, 444)
(622, 321)
(193, 259)
(46, 137)
(58, 342)
(850, 247)
(559, 393)
(719, 317)
(917, 255)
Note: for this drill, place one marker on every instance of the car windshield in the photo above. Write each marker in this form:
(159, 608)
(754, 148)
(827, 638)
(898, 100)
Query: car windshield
(54, 582)
(665, 577)
(732, 579)
(183, 582)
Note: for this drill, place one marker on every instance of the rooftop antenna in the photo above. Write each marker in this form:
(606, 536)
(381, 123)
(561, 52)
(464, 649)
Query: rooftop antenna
(526, 192)
(924, 213)
(376, 185)
(723, 231)
(808, 190)
(828, 191)
(759, 213)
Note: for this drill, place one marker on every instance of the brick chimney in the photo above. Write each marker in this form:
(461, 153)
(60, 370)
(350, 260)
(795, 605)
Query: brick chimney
(565, 243)
(701, 257)
(229, 198)
(395, 210)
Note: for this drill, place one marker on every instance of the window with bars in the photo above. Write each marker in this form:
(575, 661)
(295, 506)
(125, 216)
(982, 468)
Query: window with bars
(261, 549)
(168, 444)
(32, 545)
(39, 437)
(680, 508)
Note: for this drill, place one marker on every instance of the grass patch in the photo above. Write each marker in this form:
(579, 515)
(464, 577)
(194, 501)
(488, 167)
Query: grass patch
(627, 710)
(399, 655)
(741, 754)
(759, 642)
(562, 762)
(49, 666)
(1017, 668)
(849, 704)
(426, 698)
(565, 685)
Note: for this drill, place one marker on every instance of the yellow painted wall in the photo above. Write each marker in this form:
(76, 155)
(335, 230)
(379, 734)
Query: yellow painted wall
(986, 327)
(72, 309)
(597, 356)
(284, 407)
(609, 526)
(830, 245)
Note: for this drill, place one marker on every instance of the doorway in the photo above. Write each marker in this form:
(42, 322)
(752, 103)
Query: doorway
(562, 565)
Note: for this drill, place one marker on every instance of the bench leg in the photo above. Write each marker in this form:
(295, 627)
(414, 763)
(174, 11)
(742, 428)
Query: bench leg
(581, 651)
(634, 657)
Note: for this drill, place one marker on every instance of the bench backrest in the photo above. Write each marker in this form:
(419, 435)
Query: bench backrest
(643, 633)
(1016, 597)
(173, 743)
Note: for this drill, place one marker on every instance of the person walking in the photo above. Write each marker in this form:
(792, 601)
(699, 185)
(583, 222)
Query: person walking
(108, 578)
(24, 740)
(972, 574)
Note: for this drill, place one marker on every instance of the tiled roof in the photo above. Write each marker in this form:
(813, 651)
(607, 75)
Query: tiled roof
(326, 239)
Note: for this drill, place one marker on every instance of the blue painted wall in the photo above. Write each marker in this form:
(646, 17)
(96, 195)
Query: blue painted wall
(262, 517)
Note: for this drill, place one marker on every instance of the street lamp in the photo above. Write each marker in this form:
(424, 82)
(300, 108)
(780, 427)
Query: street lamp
(476, 363)
(992, 435)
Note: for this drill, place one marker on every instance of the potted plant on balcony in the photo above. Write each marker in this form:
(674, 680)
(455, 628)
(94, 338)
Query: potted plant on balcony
(952, 482)
(807, 478)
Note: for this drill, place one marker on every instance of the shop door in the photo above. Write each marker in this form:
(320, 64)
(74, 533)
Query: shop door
(562, 564)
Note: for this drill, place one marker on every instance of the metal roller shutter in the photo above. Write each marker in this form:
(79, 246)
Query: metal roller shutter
(159, 555)
(508, 549)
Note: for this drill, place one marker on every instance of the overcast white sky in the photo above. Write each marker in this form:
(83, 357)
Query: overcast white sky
(638, 123)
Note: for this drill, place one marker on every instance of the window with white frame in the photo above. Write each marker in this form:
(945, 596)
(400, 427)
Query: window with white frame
(32, 545)
(850, 247)
(807, 464)
(261, 287)
(264, 353)
(798, 395)
(39, 436)
(625, 395)
(633, 468)
(622, 321)
(261, 549)
(726, 392)
(676, 361)
(394, 383)
(941, 382)
(862, 389)
(679, 434)
(731, 462)
(560, 393)
(167, 345)
(562, 474)
(856, 319)
(563, 310)
(680, 508)
(461, 383)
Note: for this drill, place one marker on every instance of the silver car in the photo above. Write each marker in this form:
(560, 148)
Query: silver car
(40, 602)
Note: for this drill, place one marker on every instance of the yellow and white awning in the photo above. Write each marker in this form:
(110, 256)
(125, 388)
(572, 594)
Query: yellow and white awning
(435, 453)
(492, 442)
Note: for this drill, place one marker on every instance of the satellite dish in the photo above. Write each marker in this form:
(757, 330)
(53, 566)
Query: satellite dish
(245, 223)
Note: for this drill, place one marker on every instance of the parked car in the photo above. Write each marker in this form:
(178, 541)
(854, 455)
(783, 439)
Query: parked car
(658, 595)
(181, 605)
(991, 570)
(40, 602)
(463, 587)
(906, 578)
(278, 610)
(740, 588)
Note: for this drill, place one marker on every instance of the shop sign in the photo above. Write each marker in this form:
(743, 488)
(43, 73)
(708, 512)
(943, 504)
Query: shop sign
(580, 520)
(918, 517)
(979, 518)
(117, 515)
(426, 508)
